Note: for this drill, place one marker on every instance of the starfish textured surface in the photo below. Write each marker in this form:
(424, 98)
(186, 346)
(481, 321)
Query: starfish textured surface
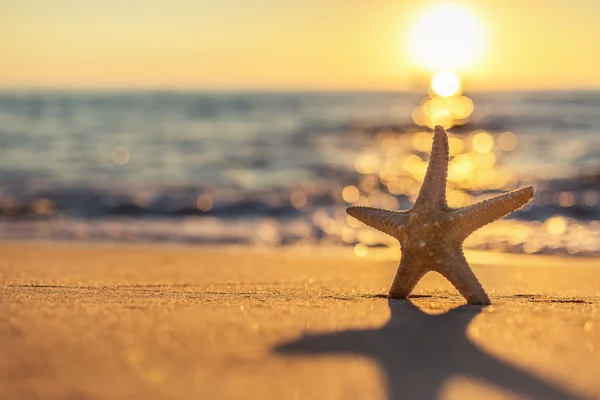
(431, 233)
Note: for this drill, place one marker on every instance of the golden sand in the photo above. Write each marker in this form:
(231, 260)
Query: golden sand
(81, 321)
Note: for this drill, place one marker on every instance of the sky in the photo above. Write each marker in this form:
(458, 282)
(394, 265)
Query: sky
(286, 44)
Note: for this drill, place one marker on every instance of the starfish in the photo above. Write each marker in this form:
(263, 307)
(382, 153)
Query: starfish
(431, 233)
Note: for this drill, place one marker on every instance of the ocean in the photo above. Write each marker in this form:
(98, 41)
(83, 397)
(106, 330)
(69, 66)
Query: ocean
(279, 169)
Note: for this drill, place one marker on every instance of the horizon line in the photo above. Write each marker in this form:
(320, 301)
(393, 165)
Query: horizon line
(258, 90)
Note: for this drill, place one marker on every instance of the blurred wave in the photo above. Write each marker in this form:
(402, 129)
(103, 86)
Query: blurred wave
(280, 168)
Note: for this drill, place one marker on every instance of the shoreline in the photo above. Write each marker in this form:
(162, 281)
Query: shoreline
(477, 257)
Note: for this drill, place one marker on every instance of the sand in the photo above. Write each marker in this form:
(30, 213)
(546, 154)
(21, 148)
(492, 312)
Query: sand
(84, 321)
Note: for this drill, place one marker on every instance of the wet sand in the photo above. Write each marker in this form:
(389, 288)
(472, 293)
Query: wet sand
(81, 321)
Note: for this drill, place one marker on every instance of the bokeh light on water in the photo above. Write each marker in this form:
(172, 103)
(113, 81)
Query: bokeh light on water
(475, 172)
(446, 104)
(280, 169)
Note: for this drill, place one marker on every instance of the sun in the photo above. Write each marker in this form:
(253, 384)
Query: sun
(447, 37)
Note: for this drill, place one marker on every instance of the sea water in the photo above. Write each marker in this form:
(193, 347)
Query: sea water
(275, 169)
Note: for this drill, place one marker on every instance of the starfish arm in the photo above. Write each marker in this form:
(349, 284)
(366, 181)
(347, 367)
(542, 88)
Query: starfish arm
(456, 269)
(469, 219)
(433, 190)
(406, 278)
(386, 221)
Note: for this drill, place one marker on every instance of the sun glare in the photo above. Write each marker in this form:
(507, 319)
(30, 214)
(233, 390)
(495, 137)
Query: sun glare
(445, 84)
(447, 36)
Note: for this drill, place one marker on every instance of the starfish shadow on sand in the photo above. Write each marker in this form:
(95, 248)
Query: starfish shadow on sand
(418, 352)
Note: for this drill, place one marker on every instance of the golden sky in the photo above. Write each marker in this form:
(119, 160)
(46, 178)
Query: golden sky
(284, 44)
